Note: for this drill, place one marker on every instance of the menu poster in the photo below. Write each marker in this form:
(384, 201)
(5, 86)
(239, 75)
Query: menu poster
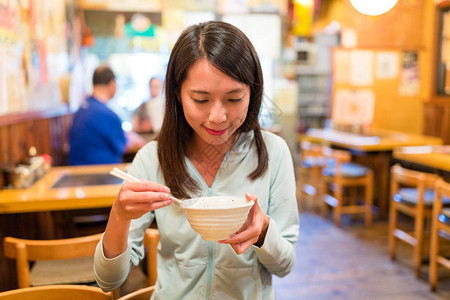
(9, 17)
(42, 54)
(387, 65)
(264, 31)
(342, 66)
(14, 78)
(409, 74)
(235, 6)
(445, 50)
(353, 107)
(3, 87)
(361, 67)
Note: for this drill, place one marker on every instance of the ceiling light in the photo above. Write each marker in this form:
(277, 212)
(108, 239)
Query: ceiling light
(373, 7)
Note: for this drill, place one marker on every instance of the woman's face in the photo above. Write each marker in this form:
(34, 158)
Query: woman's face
(214, 105)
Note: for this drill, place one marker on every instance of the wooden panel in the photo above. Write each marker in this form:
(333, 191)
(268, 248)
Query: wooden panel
(437, 120)
(17, 118)
(49, 135)
(402, 27)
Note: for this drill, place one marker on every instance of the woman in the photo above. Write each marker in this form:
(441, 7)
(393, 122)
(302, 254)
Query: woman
(210, 143)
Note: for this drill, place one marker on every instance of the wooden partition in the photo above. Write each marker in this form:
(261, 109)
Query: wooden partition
(48, 132)
(409, 26)
(437, 120)
(45, 130)
(437, 109)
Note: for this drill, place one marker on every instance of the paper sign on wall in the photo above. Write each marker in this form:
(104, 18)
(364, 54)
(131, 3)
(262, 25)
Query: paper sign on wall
(361, 67)
(387, 65)
(342, 66)
(353, 107)
(409, 76)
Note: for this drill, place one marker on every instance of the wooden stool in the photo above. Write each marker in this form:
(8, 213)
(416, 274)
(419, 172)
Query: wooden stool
(440, 222)
(309, 185)
(412, 193)
(57, 292)
(53, 259)
(151, 241)
(339, 174)
(141, 294)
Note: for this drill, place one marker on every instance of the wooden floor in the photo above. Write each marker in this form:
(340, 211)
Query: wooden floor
(347, 263)
(353, 263)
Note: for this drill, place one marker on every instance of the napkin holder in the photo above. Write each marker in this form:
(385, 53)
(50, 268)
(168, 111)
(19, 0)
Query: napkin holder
(23, 175)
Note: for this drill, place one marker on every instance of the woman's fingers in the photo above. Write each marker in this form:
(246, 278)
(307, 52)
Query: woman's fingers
(241, 247)
(142, 208)
(252, 232)
(137, 198)
(250, 197)
(145, 185)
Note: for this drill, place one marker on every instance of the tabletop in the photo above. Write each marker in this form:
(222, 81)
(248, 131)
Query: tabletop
(437, 157)
(65, 188)
(375, 140)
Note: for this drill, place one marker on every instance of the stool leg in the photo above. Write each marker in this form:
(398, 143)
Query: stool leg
(368, 199)
(337, 210)
(433, 255)
(315, 182)
(418, 234)
(324, 205)
(392, 226)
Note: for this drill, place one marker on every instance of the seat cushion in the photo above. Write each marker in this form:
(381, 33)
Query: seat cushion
(64, 271)
(410, 195)
(444, 216)
(310, 161)
(349, 170)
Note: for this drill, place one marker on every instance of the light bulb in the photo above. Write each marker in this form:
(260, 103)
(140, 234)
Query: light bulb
(373, 7)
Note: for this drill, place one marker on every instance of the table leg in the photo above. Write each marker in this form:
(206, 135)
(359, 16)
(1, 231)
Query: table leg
(380, 162)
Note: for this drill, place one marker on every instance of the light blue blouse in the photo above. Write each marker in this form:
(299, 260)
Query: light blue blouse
(191, 268)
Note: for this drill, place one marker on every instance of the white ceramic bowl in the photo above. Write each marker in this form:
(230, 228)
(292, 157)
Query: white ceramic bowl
(216, 218)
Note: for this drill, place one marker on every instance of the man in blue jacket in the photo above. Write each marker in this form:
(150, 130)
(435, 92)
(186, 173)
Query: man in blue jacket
(96, 135)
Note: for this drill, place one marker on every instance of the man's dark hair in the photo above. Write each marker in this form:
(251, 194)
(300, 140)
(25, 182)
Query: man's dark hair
(103, 75)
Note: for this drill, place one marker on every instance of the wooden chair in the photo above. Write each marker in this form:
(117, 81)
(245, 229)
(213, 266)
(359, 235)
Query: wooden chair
(62, 261)
(151, 240)
(141, 294)
(309, 184)
(412, 193)
(339, 175)
(440, 222)
(57, 292)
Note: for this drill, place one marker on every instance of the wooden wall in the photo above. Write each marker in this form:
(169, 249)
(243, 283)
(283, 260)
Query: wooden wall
(437, 107)
(409, 26)
(47, 131)
(437, 120)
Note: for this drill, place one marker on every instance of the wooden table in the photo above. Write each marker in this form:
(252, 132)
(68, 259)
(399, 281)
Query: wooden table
(436, 158)
(29, 213)
(42, 197)
(374, 141)
(374, 149)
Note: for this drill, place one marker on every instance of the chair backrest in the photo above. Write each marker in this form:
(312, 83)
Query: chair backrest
(412, 178)
(340, 156)
(151, 240)
(309, 149)
(442, 189)
(24, 251)
(57, 292)
(405, 177)
(141, 294)
(336, 158)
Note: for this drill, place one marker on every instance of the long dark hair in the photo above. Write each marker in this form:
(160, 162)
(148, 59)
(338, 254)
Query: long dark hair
(229, 50)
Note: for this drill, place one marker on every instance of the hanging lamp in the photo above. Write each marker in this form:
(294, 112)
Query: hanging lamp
(373, 7)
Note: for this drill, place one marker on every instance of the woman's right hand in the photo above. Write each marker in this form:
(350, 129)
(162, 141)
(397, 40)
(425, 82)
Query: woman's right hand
(133, 201)
(137, 198)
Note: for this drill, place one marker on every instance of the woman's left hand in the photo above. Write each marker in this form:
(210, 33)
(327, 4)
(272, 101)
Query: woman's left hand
(252, 232)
